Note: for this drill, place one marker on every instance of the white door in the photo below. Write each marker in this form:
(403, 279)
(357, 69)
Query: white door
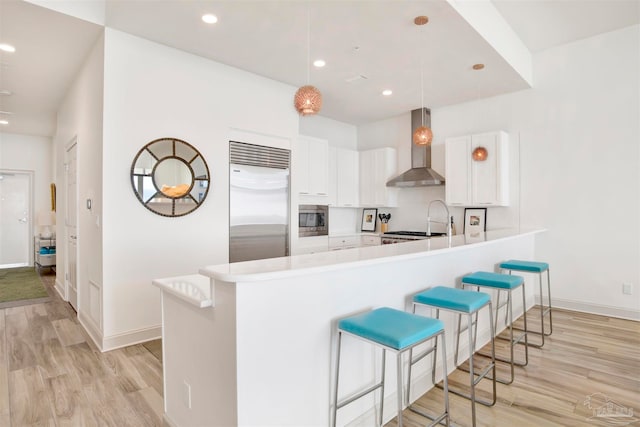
(15, 218)
(71, 220)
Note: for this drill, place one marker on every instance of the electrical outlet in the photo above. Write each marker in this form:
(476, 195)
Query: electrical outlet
(627, 288)
(186, 394)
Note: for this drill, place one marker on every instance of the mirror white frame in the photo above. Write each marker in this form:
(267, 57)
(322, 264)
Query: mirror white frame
(170, 177)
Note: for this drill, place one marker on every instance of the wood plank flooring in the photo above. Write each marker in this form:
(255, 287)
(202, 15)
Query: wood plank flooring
(52, 375)
(588, 361)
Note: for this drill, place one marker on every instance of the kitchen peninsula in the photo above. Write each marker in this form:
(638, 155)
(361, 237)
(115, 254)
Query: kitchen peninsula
(253, 343)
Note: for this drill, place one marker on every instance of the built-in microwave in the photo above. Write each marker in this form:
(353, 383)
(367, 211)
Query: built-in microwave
(313, 220)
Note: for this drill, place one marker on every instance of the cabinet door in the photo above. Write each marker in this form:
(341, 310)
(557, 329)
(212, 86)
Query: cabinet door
(301, 166)
(318, 164)
(367, 189)
(332, 199)
(347, 177)
(490, 180)
(376, 168)
(458, 167)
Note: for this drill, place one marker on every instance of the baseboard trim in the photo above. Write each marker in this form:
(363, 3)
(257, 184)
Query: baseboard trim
(131, 338)
(59, 287)
(168, 422)
(114, 342)
(89, 326)
(602, 310)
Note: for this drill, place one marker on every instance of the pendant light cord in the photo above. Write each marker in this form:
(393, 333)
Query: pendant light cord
(308, 40)
(422, 88)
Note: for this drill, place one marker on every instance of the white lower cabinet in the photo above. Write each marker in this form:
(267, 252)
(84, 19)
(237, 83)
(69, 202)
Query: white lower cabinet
(312, 245)
(376, 168)
(370, 240)
(343, 242)
(471, 182)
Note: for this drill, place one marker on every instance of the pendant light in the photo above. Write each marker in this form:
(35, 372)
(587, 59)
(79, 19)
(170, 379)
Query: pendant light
(308, 99)
(423, 135)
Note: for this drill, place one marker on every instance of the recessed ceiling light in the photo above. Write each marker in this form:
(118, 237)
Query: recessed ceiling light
(4, 122)
(319, 63)
(387, 92)
(478, 67)
(7, 47)
(210, 18)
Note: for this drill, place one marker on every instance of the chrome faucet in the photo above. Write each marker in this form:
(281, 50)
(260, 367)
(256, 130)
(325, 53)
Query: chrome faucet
(446, 221)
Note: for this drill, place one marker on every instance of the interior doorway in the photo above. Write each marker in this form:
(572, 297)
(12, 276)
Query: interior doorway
(71, 220)
(16, 222)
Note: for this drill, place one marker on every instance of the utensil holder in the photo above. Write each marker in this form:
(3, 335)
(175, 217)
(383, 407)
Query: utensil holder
(383, 227)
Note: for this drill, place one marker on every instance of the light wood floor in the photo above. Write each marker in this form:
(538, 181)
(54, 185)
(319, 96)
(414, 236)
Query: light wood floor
(52, 375)
(587, 355)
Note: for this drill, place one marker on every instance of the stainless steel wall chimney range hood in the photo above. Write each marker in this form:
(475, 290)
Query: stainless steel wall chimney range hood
(420, 174)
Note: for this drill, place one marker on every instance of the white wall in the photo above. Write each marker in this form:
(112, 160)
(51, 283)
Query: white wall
(339, 134)
(80, 119)
(30, 154)
(577, 133)
(152, 91)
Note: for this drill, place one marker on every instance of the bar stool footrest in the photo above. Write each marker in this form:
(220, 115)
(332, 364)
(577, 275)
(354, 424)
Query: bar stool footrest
(468, 396)
(435, 420)
(357, 396)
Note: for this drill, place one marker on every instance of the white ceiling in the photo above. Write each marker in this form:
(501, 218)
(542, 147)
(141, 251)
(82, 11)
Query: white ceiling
(375, 39)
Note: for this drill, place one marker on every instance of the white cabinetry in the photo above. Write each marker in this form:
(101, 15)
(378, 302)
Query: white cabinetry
(477, 183)
(376, 168)
(343, 177)
(343, 242)
(370, 240)
(312, 245)
(312, 168)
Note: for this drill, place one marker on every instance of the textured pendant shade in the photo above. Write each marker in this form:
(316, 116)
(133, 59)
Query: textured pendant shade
(479, 154)
(423, 136)
(308, 100)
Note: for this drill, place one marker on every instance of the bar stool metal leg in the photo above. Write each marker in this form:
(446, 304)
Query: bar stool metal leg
(538, 268)
(504, 283)
(468, 303)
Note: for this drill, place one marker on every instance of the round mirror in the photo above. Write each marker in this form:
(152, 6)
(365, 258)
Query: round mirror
(170, 177)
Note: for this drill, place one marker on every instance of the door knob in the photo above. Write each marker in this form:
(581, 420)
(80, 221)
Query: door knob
(22, 220)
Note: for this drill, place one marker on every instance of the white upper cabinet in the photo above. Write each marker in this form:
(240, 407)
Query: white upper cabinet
(376, 168)
(347, 178)
(312, 168)
(477, 183)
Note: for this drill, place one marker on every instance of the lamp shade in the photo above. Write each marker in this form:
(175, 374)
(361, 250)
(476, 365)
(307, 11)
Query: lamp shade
(423, 136)
(308, 100)
(45, 219)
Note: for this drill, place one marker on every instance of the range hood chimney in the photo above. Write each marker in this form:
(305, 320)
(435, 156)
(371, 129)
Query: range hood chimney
(420, 174)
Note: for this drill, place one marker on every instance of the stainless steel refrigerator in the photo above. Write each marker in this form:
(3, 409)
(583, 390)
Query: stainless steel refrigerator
(258, 202)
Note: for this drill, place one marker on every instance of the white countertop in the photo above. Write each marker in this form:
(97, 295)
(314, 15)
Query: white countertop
(273, 268)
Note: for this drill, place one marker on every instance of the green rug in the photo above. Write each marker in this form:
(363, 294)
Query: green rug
(20, 283)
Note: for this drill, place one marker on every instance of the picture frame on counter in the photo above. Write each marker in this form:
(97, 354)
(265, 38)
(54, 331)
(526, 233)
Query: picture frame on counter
(475, 221)
(369, 216)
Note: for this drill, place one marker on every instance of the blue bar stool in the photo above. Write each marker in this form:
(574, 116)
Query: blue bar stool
(468, 303)
(504, 283)
(539, 268)
(396, 331)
